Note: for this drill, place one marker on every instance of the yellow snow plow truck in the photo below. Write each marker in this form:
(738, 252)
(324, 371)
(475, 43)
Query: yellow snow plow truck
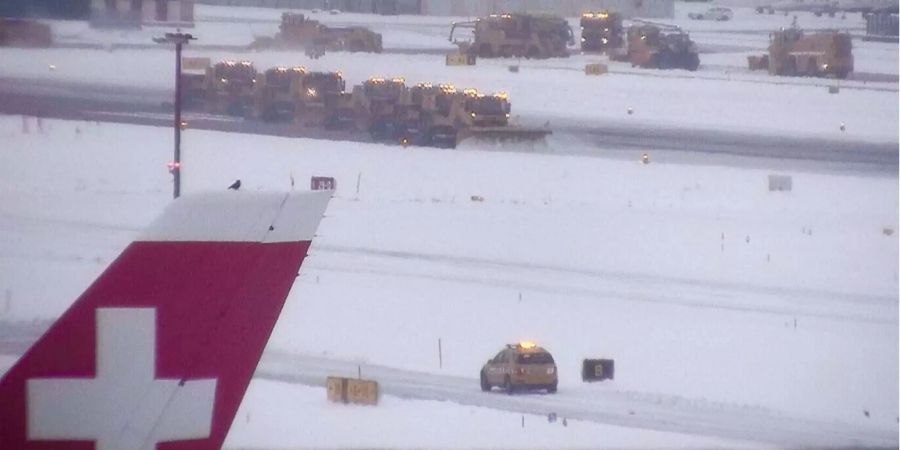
(517, 35)
(601, 32)
(791, 53)
(661, 46)
(299, 31)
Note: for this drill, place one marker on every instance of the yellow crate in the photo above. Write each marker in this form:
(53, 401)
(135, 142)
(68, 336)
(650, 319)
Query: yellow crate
(595, 69)
(364, 392)
(337, 389)
(460, 59)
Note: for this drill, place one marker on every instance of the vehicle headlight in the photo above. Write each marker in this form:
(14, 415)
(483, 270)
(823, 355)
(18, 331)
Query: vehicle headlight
(473, 114)
(223, 80)
(551, 371)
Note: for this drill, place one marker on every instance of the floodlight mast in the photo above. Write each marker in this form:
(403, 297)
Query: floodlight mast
(179, 39)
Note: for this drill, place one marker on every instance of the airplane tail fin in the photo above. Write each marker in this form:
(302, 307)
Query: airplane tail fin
(159, 350)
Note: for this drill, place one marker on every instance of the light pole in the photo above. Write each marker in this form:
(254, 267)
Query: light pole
(179, 39)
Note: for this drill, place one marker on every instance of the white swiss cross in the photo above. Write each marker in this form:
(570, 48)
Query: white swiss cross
(125, 407)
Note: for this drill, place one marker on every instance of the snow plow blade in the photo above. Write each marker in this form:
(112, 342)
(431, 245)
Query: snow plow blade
(504, 134)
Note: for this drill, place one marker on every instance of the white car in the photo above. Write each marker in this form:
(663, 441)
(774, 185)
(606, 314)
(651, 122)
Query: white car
(717, 13)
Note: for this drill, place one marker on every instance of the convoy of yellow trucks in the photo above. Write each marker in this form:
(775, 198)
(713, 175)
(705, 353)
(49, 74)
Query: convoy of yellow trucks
(440, 114)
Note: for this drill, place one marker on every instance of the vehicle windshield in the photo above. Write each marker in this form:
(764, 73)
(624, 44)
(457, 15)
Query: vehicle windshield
(236, 72)
(324, 82)
(487, 105)
(534, 358)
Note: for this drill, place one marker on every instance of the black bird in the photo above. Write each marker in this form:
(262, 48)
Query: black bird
(236, 185)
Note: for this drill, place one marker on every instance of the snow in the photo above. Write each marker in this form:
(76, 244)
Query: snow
(691, 277)
(710, 292)
(278, 415)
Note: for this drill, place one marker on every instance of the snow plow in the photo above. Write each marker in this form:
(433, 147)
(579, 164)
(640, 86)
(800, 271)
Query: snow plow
(450, 116)
(228, 87)
(297, 31)
(601, 32)
(274, 98)
(518, 35)
(24, 33)
(791, 53)
(661, 46)
(193, 81)
(321, 100)
(384, 108)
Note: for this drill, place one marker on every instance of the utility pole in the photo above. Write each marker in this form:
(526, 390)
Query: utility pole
(179, 39)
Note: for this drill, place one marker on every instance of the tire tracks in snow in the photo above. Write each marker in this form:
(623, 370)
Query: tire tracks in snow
(613, 285)
(590, 403)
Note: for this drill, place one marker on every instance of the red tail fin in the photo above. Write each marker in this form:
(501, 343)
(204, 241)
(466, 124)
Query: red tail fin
(159, 351)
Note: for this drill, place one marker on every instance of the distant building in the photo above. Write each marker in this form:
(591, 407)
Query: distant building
(134, 13)
(471, 8)
(46, 9)
(882, 26)
(568, 8)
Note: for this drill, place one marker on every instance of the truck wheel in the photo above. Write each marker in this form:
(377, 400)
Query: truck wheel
(485, 51)
(692, 62)
(551, 389)
(665, 60)
(789, 68)
(485, 386)
(507, 384)
(812, 69)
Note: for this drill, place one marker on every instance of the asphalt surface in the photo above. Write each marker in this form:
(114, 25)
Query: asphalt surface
(149, 106)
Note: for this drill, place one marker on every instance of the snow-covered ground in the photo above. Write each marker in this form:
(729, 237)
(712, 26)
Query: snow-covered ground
(715, 297)
(704, 286)
(277, 415)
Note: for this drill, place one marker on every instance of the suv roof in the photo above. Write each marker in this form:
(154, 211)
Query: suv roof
(526, 347)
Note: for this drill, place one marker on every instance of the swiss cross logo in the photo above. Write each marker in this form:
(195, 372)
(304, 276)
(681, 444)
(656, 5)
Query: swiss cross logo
(125, 407)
